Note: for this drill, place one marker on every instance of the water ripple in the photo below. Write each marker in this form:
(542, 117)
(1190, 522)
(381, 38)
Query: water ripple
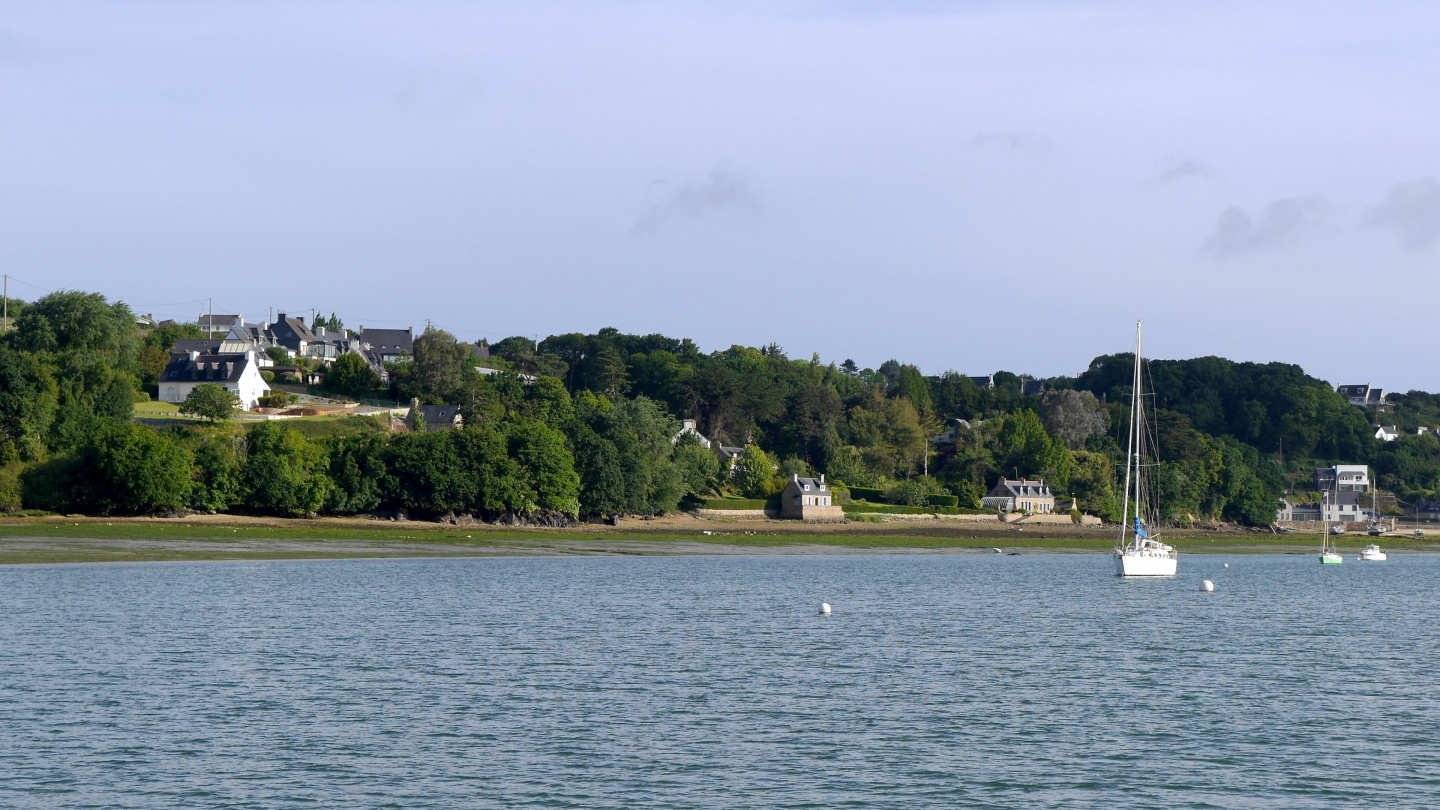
(940, 680)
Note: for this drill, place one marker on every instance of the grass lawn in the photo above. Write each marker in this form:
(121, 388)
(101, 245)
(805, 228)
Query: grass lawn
(156, 408)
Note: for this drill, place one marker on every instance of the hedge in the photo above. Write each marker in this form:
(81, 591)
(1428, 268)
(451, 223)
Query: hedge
(888, 509)
(867, 494)
(944, 500)
(733, 503)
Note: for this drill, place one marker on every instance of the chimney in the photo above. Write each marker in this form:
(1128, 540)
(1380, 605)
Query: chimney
(414, 404)
(822, 479)
(194, 356)
(795, 477)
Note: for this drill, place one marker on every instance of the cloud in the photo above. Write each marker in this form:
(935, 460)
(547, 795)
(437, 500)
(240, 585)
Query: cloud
(1024, 143)
(1181, 168)
(1412, 211)
(723, 193)
(1282, 223)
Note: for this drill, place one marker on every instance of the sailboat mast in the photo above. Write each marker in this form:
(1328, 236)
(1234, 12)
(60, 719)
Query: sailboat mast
(1130, 439)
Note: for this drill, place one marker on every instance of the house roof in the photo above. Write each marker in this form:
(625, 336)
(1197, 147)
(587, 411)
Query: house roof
(388, 341)
(439, 414)
(290, 331)
(1020, 488)
(807, 484)
(217, 368)
(202, 345)
(1032, 387)
(214, 322)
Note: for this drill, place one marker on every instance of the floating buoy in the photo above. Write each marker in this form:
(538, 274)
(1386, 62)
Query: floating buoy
(824, 608)
(1206, 586)
(1227, 565)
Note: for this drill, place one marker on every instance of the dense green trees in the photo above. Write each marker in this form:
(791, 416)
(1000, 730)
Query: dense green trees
(352, 376)
(592, 429)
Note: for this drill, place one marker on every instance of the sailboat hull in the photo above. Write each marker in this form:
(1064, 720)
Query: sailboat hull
(1145, 565)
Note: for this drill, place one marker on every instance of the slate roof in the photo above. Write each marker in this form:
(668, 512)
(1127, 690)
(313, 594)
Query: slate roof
(1020, 488)
(1032, 387)
(216, 368)
(436, 416)
(202, 345)
(290, 331)
(388, 341)
(806, 484)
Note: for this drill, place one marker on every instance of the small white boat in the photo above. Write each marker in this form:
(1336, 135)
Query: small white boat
(1372, 553)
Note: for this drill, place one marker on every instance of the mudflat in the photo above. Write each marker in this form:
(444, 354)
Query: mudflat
(229, 537)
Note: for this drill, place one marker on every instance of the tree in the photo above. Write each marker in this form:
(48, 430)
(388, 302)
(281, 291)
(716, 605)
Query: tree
(351, 375)
(130, 468)
(546, 465)
(697, 464)
(283, 473)
(67, 320)
(210, 401)
(753, 470)
(1026, 448)
(356, 467)
(1073, 416)
(278, 355)
(437, 372)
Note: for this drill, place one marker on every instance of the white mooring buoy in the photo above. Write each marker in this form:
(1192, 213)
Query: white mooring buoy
(1227, 565)
(824, 608)
(1206, 586)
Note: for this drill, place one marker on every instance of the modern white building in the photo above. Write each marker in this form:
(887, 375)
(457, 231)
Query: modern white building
(1343, 478)
(1342, 507)
(237, 373)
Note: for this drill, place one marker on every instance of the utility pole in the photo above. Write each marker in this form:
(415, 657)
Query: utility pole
(210, 326)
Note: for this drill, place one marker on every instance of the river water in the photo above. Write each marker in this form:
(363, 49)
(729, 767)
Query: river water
(958, 680)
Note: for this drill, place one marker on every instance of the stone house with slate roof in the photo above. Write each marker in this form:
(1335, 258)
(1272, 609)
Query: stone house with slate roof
(237, 373)
(808, 499)
(437, 417)
(1020, 494)
(388, 345)
(292, 333)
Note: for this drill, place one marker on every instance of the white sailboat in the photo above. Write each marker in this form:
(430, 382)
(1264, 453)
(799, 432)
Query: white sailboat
(1143, 554)
(1329, 555)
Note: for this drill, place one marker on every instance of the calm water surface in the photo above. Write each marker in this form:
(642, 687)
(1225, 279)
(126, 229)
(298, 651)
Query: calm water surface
(939, 681)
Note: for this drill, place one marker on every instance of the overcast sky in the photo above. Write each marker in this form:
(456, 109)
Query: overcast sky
(973, 186)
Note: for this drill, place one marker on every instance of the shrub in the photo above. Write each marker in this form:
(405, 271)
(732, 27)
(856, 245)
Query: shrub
(12, 490)
(733, 504)
(267, 376)
(867, 494)
(943, 500)
(908, 493)
(276, 399)
(51, 485)
(1075, 516)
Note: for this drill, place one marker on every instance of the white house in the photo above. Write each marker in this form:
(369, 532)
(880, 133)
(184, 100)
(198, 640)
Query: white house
(1387, 434)
(237, 373)
(688, 426)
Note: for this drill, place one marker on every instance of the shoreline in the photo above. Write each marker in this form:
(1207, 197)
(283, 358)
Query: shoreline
(60, 540)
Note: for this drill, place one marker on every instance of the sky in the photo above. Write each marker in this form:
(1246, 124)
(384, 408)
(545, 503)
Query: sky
(961, 185)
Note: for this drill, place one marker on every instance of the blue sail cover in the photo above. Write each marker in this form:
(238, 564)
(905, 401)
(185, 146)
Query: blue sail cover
(1139, 529)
